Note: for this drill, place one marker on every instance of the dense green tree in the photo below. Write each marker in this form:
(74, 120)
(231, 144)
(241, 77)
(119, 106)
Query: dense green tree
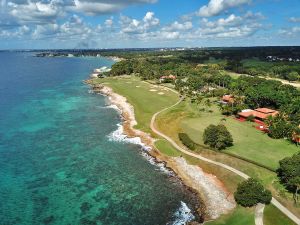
(293, 76)
(289, 174)
(251, 192)
(279, 127)
(217, 137)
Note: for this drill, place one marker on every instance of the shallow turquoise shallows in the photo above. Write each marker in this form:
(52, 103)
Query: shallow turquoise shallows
(57, 164)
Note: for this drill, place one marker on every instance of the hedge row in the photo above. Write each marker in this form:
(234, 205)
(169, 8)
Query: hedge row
(187, 141)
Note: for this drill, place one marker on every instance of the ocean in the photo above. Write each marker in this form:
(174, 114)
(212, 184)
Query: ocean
(63, 157)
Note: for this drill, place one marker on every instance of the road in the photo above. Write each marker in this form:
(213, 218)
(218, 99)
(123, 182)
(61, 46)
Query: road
(259, 208)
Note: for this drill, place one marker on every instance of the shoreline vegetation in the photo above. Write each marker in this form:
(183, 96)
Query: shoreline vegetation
(214, 199)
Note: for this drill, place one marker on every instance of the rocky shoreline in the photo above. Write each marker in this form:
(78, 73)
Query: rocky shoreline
(212, 198)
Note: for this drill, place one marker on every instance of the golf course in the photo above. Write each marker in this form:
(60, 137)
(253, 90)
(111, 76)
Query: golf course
(249, 143)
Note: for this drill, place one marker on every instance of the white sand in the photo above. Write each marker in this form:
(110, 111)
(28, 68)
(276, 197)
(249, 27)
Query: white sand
(152, 90)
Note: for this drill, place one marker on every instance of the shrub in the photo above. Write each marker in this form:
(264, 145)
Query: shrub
(187, 141)
(217, 137)
(252, 192)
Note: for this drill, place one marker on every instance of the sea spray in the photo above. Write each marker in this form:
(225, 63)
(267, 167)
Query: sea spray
(119, 136)
(183, 215)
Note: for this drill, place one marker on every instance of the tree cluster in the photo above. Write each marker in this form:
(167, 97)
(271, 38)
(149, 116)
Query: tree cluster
(251, 192)
(289, 174)
(217, 136)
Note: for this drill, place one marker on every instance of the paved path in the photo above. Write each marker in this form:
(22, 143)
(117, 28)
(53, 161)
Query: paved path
(259, 214)
(259, 209)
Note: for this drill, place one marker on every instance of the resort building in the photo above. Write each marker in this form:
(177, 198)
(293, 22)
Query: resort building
(259, 116)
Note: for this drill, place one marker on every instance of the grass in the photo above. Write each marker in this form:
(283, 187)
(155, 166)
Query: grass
(166, 148)
(279, 219)
(138, 94)
(174, 121)
(248, 141)
(240, 216)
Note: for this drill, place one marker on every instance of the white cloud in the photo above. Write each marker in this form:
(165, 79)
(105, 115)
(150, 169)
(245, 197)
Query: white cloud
(177, 26)
(109, 22)
(35, 12)
(293, 31)
(18, 33)
(294, 19)
(99, 7)
(135, 26)
(215, 7)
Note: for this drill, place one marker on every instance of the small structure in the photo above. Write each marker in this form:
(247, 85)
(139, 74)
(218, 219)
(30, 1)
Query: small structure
(227, 99)
(167, 78)
(259, 116)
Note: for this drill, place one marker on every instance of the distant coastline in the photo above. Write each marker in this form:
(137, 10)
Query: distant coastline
(53, 54)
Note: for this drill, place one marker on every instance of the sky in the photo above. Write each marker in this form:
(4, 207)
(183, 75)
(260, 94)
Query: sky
(57, 24)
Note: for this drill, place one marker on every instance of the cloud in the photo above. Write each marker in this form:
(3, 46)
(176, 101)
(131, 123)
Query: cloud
(109, 22)
(100, 7)
(177, 26)
(216, 7)
(18, 33)
(230, 27)
(292, 31)
(35, 12)
(294, 19)
(134, 26)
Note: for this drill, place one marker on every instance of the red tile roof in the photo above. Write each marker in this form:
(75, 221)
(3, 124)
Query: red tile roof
(260, 113)
(227, 98)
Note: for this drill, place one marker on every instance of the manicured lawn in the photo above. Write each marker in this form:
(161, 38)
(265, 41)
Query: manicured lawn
(166, 148)
(145, 98)
(249, 142)
(240, 216)
(172, 122)
(280, 219)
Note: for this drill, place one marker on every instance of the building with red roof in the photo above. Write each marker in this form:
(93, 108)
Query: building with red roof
(226, 99)
(259, 115)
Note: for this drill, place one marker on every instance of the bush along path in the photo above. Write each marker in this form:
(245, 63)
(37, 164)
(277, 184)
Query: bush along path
(259, 208)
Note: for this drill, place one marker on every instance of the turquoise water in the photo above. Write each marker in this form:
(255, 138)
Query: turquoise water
(57, 164)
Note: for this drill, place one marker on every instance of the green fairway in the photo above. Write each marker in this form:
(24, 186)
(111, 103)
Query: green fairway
(249, 142)
(280, 219)
(240, 216)
(166, 148)
(146, 99)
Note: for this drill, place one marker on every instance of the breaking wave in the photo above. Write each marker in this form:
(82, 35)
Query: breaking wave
(119, 136)
(183, 215)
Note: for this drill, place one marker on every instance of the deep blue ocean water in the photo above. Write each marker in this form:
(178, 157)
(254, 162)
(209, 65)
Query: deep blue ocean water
(57, 164)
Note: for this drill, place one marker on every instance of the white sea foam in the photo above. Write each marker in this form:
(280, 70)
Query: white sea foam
(119, 136)
(160, 165)
(115, 107)
(183, 215)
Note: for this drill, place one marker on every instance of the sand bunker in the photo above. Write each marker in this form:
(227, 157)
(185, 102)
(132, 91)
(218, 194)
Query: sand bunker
(153, 90)
(137, 86)
(161, 93)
